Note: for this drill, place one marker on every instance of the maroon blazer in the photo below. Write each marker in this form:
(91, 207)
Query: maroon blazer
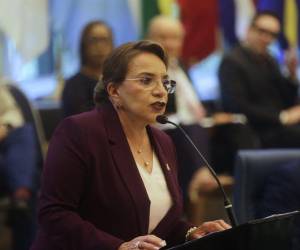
(92, 195)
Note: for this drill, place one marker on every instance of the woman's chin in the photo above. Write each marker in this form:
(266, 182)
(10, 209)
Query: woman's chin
(151, 120)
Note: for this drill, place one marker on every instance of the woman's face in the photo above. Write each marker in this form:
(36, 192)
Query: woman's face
(98, 45)
(142, 96)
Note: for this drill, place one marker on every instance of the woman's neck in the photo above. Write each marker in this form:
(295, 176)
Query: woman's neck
(91, 72)
(138, 140)
(133, 128)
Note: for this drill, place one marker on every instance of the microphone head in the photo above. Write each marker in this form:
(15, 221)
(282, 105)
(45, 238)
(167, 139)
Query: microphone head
(162, 119)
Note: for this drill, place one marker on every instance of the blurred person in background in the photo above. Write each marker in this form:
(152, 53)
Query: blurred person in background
(185, 108)
(251, 83)
(96, 43)
(18, 169)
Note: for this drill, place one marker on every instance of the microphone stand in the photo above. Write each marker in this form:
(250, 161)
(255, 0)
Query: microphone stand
(227, 204)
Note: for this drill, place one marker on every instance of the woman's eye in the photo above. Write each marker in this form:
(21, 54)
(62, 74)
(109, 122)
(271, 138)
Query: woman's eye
(146, 80)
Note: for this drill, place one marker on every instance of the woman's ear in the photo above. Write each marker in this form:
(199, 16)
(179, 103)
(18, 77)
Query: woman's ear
(112, 90)
(113, 93)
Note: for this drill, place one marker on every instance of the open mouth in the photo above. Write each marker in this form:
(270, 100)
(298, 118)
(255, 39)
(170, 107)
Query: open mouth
(158, 105)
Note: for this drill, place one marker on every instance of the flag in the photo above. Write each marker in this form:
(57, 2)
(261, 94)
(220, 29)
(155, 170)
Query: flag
(135, 7)
(149, 10)
(116, 13)
(166, 7)
(200, 20)
(290, 22)
(245, 11)
(227, 22)
(25, 22)
(152, 8)
(71, 16)
(235, 17)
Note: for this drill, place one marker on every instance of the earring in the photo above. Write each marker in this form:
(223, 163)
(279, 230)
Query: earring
(118, 106)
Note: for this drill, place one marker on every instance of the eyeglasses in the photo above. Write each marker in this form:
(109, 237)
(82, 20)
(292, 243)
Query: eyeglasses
(272, 34)
(150, 83)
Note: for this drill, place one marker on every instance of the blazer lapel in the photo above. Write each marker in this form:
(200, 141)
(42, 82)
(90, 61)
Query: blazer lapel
(126, 166)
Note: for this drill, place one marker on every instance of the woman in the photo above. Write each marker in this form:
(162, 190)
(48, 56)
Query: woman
(96, 42)
(110, 179)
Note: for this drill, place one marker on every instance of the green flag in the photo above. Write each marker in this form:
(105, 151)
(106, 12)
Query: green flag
(149, 10)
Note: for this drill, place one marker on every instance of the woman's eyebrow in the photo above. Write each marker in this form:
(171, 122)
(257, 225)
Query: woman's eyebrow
(166, 76)
(146, 73)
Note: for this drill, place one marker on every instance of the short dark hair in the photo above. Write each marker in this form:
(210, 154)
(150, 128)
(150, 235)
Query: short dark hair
(84, 35)
(264, 13)
(115, 66)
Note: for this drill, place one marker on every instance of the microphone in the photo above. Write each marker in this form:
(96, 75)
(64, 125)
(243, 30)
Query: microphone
(227, 204)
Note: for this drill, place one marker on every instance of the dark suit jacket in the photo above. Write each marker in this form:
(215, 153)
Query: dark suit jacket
(92, 195)
(253, 85)
(77, 96)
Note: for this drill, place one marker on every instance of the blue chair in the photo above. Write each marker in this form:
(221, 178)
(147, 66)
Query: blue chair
(251, 170)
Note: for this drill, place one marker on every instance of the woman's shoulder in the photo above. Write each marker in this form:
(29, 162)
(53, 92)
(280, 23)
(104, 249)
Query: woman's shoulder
(85, 121)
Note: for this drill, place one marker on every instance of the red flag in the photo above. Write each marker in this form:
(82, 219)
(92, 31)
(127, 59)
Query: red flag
(200, 19)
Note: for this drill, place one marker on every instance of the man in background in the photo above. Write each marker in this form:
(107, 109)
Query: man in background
(185, 108)
(252, 83)
(96, 43)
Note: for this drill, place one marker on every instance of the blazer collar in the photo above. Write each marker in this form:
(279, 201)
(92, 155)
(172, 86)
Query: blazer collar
(126, 165)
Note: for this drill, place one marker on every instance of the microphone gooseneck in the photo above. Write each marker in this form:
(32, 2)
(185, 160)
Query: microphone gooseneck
(162, 119)
(227, 204)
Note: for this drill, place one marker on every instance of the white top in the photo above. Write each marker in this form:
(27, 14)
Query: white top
(9, 110)
(157, 191)
(189, 108)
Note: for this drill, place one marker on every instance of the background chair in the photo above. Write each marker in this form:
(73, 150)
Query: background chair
(30, 116)
(20, 218)
(251, 170)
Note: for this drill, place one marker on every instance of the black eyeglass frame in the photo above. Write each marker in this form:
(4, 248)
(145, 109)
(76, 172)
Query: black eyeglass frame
(261, 30)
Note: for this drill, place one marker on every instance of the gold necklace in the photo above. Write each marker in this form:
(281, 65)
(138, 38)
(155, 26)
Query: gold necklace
(146, 163)
(139, 152)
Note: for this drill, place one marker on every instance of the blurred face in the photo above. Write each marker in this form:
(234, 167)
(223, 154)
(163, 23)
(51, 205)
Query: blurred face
(142, 96)
(170, 35)
(98, 45)
(264, 31)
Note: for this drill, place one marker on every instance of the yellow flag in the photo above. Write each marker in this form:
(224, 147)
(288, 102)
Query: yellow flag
(165, 7)
(290, 22)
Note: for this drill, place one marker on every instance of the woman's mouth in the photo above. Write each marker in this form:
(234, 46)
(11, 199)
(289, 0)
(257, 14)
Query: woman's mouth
(158, 106)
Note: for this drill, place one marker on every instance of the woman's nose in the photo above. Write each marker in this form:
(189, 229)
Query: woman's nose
(160, 89)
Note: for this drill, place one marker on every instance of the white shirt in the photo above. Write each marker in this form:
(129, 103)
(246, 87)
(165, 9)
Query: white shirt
(189, 109)
(157, 191)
